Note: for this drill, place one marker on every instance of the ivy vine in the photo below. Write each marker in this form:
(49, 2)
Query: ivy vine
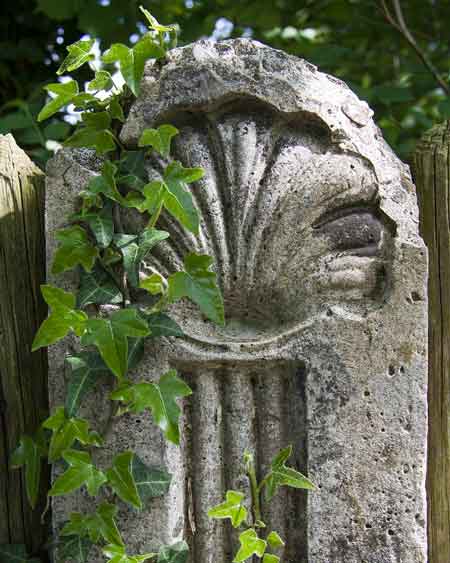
(108, 262)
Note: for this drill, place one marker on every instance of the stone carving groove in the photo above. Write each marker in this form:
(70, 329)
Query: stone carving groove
(312, 223)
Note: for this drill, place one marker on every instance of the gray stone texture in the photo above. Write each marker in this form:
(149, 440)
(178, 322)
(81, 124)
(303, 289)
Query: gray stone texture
(312, 223)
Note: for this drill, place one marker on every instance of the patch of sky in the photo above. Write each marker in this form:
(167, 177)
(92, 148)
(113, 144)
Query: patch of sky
(222, 30)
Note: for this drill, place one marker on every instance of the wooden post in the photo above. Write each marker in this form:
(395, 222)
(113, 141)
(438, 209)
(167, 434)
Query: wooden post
(431, 168)
(23, 375)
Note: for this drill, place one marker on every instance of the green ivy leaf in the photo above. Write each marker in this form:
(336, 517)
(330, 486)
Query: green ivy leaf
(160, 139)
(98, 287)
(110, 337)
(102, 81)
(86, 369)
(65, 94)
(75, 248)
(274, 540)
(153, 23)
(135, 248)
(135, 351)
(79, 54)
(15, 553)
(176, 553)
(161, 324)
(172, 193)
(132, 171)
(29, 454)
(270, 558)
(101, 224)
(150, 482)
(232, 508)
(100, 524)
(160, 398)
(154, 284)
(132, 60)
(251, 544)
(115, 109)
(121, 480)
(117, 554)
(104, 183)
(67, 431)
(74, 548)
(280, 475)
(199, 285)
(63, 318)
(85, 101)
(81, 472)
(95, 134)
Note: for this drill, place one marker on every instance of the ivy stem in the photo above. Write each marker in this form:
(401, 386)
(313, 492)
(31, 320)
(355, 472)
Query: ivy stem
(251, 474)
(155, 217)
(110, 421)
(118, 227)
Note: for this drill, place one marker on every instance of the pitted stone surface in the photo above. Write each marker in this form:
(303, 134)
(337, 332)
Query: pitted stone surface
(312, 223)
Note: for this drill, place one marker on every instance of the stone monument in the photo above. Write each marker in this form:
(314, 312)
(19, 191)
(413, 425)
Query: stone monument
(312, 223)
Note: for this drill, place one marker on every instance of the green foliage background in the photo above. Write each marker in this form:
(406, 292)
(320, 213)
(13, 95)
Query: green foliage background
(351, 39)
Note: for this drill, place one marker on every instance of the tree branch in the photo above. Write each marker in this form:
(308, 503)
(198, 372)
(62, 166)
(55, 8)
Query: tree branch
(398, 23)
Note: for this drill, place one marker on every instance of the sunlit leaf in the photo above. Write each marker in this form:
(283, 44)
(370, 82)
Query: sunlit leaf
(251, 544)
(160, 138)
(66, 431)
(117, 554)
(63, 318)
(232, 508)
(79, 54)
(132, 60)
(102, 81)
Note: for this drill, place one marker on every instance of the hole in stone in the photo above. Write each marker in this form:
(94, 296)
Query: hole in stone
(391, 532)
(415, 296)
(402, 369)
(366, 393)
(391, 370)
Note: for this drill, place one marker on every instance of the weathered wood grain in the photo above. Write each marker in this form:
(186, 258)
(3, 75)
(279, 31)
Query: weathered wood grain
(23, 375)
(431, 167)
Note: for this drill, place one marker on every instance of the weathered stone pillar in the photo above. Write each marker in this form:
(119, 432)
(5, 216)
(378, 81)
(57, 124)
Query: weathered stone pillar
(312, 222)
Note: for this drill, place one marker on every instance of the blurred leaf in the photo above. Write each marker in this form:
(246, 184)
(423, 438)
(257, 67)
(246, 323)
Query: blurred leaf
(65, 93)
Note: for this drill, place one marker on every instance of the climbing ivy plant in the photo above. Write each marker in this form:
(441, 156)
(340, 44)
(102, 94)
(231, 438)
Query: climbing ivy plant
(111, 339)
(253, 538)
